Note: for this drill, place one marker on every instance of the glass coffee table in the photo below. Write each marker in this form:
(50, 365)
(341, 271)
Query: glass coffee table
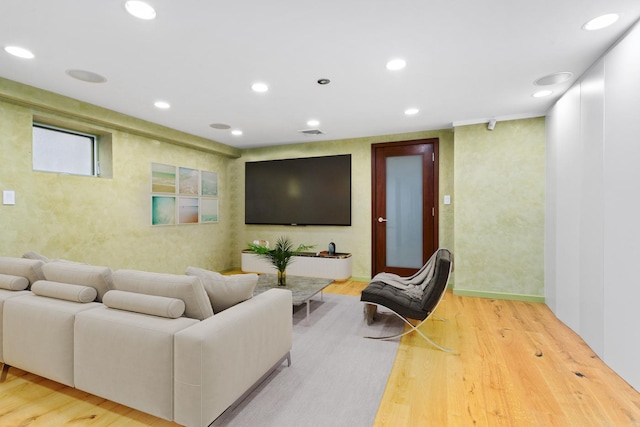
(302, 288)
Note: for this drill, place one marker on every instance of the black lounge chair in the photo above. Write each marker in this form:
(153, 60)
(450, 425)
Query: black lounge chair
(428, 286)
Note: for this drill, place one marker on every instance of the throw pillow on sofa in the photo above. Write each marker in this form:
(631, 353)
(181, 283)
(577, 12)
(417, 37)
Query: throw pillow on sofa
(64, 291)
(153, 305)
(225, 291)
(188, 289)
(28, 268)
(74, 273)
(13, 283)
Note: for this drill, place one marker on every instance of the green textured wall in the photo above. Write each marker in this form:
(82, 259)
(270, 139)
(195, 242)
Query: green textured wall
(499, 208)
(355, 239)
(104, 221)
(494, 225)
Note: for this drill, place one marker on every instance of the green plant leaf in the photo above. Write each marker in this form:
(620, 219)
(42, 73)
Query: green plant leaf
(281, 255)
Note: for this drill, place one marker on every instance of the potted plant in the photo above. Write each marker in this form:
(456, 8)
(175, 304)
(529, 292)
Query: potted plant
(279, 256)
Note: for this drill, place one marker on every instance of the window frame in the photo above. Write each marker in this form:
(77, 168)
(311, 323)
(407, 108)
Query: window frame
(95, 161)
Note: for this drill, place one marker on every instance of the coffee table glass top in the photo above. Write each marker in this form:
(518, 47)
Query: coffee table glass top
(301, 287)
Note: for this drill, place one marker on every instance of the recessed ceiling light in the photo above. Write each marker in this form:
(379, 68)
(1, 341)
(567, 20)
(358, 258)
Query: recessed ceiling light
(220, 126)
(554, 78)
(259, 87)
(162, 105)
(236, 132)
(313, 123)
(542, 93)
(324, 81)
(20, 52)
(601, 22)
(140, 9)
(396, 64)
(86, 76)
(411, 111)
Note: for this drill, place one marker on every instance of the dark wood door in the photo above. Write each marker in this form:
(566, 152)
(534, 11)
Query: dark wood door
(404, 205)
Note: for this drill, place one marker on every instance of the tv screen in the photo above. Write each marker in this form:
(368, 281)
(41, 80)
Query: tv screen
(304, 191)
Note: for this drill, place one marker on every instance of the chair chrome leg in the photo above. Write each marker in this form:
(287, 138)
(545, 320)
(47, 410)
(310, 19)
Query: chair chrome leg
(5, 370)
(412, 328)
(442, 319)
(448, 350)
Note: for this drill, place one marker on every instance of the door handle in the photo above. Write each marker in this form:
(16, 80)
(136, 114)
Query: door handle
(380, 219)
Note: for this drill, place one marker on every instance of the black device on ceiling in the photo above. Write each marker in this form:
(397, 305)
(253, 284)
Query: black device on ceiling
(301, 191)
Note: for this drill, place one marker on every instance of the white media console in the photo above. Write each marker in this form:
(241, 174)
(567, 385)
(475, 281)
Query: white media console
(310, 264)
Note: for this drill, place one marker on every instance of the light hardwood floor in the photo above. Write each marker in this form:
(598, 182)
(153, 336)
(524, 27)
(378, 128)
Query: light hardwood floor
(517, 366)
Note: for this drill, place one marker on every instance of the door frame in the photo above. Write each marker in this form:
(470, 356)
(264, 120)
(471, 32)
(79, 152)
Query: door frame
(436, 197)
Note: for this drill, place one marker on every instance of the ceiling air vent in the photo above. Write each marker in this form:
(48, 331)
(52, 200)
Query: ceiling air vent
(312, 132)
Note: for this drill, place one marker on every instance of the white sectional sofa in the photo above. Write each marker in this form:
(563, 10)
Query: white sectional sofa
(146, 340)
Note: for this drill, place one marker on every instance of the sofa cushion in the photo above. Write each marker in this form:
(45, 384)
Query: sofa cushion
(187, 288)
(145, 304)
(225, 291)
(127, 358)
(29, 268)
(79, 274)
(35, 255)
(38, 336)
(65, 291)
(5, 295)
(13, 283)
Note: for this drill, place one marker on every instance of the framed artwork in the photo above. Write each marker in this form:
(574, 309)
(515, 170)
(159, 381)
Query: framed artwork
(163, 210)
(188, 210)
(189, 181)
(163, 178)
(181, 195)
(208, 209)
(209, 183)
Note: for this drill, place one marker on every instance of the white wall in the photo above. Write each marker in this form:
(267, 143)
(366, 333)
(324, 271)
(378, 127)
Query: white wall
(563, 182)
(622, 208)
(593, 207)
(591, 213)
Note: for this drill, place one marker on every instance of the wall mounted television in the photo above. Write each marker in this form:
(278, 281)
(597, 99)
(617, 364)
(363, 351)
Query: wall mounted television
(301, 191)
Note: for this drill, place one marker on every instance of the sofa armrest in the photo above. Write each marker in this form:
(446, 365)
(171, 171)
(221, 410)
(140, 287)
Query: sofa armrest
(220, 358)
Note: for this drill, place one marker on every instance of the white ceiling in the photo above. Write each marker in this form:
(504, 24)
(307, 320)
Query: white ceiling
(467, 60)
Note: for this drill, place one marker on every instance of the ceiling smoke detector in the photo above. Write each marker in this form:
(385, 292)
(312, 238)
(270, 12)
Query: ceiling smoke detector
(312, 132)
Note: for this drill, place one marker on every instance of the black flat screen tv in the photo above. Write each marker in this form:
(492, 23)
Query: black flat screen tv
(302, 191)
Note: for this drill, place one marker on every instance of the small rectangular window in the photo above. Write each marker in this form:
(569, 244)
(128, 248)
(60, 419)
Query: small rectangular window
(64, 151)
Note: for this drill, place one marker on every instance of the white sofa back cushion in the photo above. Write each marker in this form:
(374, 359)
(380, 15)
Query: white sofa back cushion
(79, 274)
(153, 305)
(187, 288)
(225, 291)
(28, 268)
(35, 255)
(65, 291)
(13, 283)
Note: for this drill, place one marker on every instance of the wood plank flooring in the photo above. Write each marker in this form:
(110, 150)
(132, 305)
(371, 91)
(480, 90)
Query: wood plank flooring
(517, 366)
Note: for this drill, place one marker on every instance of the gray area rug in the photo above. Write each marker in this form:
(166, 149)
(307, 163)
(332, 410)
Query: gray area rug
(337, 377)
